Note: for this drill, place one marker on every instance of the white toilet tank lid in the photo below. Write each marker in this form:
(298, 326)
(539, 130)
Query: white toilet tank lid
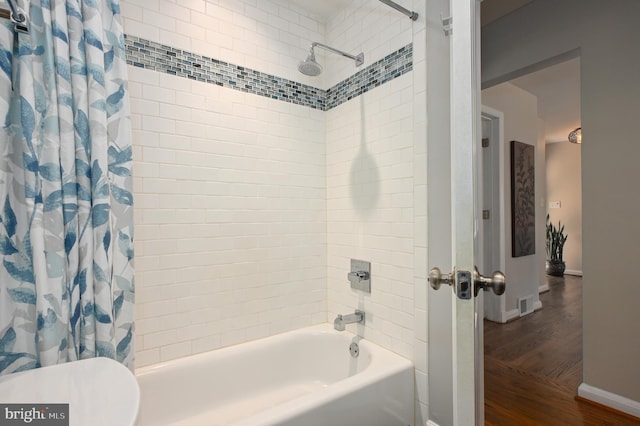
(99, 391)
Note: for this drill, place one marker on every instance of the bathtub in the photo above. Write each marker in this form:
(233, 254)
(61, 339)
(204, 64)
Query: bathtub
(303, 377)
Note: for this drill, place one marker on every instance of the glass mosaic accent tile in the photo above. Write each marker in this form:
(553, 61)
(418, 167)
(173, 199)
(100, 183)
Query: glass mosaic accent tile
(386, 69)
(162, 58)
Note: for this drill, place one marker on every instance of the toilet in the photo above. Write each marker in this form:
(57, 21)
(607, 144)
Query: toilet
(99, 391)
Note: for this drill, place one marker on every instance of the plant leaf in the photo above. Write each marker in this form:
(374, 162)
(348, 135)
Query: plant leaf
(53, 201)
(6, 246)
(8, 340)
(20, 273)
(50, 171)
(100, 214)
(117, 304)
(101, 315)
(105, 349)
(124, 243)
(122, 196)
(124, 346)
(9, 218)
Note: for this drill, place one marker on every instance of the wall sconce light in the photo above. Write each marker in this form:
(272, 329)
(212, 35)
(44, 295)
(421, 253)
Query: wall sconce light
(576, 136)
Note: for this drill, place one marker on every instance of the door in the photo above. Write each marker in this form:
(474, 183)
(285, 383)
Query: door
(465, 132)
(463, 336)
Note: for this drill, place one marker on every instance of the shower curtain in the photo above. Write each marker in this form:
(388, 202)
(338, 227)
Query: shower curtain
(66, 219)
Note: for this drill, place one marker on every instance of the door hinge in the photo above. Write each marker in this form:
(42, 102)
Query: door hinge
(447, 25)
(486, 214)
(485, 142)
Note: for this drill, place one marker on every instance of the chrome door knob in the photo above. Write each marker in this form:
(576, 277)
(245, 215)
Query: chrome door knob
(436, 278)
(496, 282)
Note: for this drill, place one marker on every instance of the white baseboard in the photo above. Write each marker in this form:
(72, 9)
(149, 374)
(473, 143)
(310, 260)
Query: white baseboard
(573, 272)
(510, 315)
(537, 305)
(432, 423)
(506, 316)
(544, 287)
(609, 399)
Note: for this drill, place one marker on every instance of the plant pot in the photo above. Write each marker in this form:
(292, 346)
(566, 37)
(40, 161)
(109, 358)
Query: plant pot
(555, 268)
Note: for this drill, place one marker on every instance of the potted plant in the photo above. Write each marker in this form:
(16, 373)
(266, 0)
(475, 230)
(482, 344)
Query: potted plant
(555, 245)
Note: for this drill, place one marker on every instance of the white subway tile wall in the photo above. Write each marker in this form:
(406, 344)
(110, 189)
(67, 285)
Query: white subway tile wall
(420, 266)
(370, 210)
(364, 26)
(248, 209)
(229, 186)
(376, 183)
(230, 210)
(264, 35)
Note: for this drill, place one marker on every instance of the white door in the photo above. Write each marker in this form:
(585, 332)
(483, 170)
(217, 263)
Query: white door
(465, 132)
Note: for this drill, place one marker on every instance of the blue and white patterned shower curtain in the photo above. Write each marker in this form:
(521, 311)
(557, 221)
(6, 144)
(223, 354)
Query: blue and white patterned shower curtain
(66, 219)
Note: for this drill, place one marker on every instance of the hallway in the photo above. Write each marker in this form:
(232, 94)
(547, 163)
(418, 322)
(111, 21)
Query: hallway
(533, 366)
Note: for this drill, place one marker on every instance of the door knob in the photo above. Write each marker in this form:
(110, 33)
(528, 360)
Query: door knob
(496, 282)
(436, 278)
(460, 281)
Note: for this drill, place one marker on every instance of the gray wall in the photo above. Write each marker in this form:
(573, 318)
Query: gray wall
(605, 35)
(564, 185)
(524, 274)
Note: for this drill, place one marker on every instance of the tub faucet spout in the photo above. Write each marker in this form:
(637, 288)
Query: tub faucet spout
(342, 320)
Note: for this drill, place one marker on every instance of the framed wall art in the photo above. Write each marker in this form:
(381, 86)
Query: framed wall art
(523, 199)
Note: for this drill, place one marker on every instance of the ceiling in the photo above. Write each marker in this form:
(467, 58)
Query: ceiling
(490, 9)
(556, 87)
(324, 9)
(558, 91)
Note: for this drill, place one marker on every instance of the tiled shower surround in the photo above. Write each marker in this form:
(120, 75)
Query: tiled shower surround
(250, 201)
(154, 56)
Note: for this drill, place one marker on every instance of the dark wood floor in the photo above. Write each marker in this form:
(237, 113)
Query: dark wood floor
(533, 366)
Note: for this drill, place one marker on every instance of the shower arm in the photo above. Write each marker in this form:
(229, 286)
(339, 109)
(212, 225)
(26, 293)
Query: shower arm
(412, 15)
(359, 59)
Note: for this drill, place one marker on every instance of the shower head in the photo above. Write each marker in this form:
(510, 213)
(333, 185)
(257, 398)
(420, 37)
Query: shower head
(309, 66)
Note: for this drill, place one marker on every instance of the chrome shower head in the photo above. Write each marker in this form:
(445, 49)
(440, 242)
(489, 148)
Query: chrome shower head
(309, 66)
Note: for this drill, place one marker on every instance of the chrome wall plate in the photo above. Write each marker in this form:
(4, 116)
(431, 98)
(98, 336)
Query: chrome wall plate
(360, 275)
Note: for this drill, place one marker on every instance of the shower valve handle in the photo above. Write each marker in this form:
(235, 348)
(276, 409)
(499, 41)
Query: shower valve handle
(358, 276)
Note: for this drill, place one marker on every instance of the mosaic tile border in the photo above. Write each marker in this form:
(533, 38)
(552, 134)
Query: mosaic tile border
(386, 69)
(162, 58)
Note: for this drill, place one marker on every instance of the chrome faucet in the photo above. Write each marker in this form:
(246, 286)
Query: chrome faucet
(342, 320)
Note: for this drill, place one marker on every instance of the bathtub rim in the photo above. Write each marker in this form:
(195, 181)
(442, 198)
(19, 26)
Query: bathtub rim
(318, 329)
(384, 364)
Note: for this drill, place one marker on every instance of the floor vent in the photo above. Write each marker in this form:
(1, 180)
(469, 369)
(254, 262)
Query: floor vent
(525, 305)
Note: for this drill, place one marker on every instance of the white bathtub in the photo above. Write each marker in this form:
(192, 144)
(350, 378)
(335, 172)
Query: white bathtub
(303, 377)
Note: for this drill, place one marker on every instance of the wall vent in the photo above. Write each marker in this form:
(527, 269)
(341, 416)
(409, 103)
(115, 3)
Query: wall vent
(525, 305)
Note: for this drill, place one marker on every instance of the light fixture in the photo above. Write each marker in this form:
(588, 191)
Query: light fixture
(576, 136)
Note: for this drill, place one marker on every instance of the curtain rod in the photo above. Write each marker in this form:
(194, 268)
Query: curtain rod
(412, 15)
